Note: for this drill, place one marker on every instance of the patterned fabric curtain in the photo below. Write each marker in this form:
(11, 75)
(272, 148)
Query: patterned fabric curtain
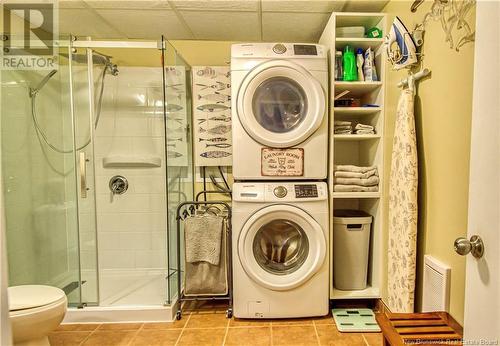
(403, 208)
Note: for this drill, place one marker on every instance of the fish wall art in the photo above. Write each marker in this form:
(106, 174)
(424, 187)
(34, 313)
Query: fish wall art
(212, 115)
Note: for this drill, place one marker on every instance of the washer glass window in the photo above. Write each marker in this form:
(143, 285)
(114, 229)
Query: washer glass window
(279, 104)
(280, 247)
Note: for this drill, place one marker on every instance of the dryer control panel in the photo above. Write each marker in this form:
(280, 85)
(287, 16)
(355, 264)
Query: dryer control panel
(279, 192)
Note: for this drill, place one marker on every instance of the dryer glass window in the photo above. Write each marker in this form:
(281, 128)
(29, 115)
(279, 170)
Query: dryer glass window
(280, 247)
(279, 104)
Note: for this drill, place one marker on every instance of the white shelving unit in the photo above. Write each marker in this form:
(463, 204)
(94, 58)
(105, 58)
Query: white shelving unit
(361, 150)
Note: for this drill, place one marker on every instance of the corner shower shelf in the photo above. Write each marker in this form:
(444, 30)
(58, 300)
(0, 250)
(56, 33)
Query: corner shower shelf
(132, 161)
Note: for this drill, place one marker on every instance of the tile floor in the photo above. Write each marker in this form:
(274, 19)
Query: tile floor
(213, 328)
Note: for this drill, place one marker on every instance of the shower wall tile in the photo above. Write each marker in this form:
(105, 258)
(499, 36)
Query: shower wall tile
(132, 227)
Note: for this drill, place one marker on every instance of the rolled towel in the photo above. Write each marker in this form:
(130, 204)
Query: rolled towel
(342, 123)
(345, 174)
(352, 168)
(354, 188)
(371, 181)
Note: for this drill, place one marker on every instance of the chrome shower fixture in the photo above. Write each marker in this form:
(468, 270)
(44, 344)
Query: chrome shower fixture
(35, 90)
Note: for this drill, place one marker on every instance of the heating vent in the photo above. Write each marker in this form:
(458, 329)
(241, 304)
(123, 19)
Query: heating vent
(436, 295)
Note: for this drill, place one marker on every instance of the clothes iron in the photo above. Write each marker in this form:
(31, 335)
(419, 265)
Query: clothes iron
(401, 49)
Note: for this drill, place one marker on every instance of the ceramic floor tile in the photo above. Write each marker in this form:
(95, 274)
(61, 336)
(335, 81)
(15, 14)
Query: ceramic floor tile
(374, 339)
(207, 320)
(110, 338)
(329, 335)
(205, 337)
(258, 336)
(120, 326)
(238, 322)
(78, 327)
(324, 320)
(67, 338)
(294, 335)
(292, 321)
(166, 325)
(156, 337)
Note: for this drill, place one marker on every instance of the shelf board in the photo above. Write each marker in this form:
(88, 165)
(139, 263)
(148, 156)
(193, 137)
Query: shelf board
(358, 42)
(356, 110)
(367, 293)
(355, 137)
(356, 87)
(356, 194)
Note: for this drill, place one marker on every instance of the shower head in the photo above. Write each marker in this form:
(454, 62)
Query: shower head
(98, 59)
(34, 91)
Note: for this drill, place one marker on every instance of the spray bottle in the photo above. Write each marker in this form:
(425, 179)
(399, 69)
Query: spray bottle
(359, 62)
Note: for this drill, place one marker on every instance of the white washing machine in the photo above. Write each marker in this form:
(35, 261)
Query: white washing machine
(280, 249)
(279, 110)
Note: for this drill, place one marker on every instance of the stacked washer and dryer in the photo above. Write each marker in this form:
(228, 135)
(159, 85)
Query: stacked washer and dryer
(280, 201)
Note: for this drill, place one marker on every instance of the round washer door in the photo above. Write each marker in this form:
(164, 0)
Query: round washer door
(281, 247)
(280, 104)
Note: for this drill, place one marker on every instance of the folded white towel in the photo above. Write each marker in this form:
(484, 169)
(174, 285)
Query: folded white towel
(354, 188)
(364, 127)
(371, 181)
(352, 168)
(203, 234)
(364, 132)
(345, 174)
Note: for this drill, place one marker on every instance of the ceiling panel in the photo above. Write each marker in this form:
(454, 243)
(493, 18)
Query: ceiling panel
(236, 5)
(85, 22)
(128, 4)
(241, 26)
(365, 5)
(147, 24)
(293, 27)
(302, 6)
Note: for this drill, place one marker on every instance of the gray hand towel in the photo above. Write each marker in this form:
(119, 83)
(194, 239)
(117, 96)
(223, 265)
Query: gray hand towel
(203, 236)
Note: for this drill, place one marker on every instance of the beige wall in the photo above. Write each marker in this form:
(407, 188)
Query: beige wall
(443, 119)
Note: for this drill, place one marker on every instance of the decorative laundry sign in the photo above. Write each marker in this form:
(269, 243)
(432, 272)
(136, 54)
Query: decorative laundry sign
(282, 162)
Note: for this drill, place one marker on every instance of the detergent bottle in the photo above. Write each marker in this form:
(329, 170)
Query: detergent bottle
(350, 68)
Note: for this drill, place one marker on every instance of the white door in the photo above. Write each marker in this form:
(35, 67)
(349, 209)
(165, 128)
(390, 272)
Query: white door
(281, 247)
(482, 291)
(280, 104)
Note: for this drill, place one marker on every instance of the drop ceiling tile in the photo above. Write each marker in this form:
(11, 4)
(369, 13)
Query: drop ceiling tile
(302, 6)
(72, 4)
(292, 26)
(365, 5)
(146, 24)
(236, 5)
(85, 22)
(231, 26)
(127, 4)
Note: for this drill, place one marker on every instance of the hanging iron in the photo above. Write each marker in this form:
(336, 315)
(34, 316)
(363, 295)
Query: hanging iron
(400, 46)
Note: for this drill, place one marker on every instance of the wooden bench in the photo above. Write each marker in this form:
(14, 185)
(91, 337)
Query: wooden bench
(429, 328)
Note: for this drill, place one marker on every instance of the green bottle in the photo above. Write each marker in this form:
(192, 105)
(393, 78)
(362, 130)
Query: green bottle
(349, 62)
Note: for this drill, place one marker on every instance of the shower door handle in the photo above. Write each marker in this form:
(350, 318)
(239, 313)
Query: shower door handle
(83, 175)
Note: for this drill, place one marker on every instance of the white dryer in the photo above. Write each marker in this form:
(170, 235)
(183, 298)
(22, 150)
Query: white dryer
(279, 110)
(280, 249)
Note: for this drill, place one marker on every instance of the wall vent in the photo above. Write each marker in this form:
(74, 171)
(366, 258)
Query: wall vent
(436, 288)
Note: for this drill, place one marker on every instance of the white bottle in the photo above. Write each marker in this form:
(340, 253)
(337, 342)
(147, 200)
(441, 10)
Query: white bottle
(359, 62)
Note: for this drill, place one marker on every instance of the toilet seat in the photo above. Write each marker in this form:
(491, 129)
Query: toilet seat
(28, 297)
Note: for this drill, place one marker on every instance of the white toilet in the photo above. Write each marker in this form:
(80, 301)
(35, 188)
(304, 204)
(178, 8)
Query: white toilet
(35, 311)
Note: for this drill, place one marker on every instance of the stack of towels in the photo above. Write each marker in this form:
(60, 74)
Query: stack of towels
(350, 178)
(362, 129)
(341, 127)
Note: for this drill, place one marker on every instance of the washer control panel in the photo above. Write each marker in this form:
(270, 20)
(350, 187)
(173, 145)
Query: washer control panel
(280, 191)
(306, 190)
(279, 48)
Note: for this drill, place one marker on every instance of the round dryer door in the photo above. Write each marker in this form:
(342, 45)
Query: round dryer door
(280, 104)
(281, 247)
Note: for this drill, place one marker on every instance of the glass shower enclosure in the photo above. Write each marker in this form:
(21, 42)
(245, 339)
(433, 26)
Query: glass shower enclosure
(94, 165)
